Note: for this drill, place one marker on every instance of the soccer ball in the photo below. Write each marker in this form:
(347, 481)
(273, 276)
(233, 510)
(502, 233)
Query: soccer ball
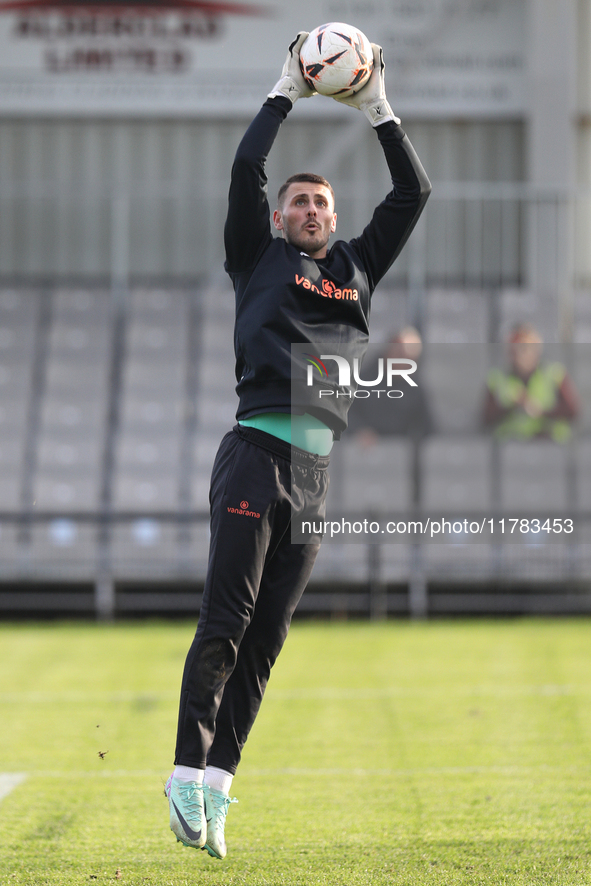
(336, 59)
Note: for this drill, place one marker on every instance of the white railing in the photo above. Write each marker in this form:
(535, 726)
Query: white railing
(471, 234)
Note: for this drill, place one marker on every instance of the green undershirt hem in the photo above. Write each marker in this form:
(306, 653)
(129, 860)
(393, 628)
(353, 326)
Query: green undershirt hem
(303, 431)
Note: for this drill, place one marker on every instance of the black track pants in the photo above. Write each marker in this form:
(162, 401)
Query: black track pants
(255, 579)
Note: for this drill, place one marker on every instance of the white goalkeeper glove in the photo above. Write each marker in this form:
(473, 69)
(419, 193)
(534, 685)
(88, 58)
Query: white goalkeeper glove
(371, 98)
(291, 83)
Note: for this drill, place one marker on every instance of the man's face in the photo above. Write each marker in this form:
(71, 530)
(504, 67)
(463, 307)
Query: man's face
(526, 353)
(307, 218)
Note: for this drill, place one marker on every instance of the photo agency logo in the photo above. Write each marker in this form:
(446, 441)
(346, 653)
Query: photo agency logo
(391, 374)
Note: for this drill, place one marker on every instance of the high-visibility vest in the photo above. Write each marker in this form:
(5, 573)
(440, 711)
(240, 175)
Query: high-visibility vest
(542, 389)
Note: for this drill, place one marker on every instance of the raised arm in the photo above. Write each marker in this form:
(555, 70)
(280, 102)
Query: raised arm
(248, 229)
(393, 220)
(395, 217)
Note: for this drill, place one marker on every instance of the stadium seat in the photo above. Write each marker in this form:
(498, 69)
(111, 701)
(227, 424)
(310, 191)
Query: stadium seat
(457, 558)
(144, 547)
(10, 491)
(146, 491)
(17, 340)
(15, 380)
(152, 406)
(11, 453)
(64, 548)
(456, 317)
(376, 478)
(73, 412)
(583, 475)
(337, 562)
(15, 300)
(13, 416)
(395, 561)
(454, 376)
(69, 448)
(537, 558)
(153, 452)
(64, 489)
(533, 476)
(150, 412)
(456, 475)
(581, 366)
(75, 339)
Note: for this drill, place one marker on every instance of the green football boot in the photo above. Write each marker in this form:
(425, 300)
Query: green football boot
(216, 810)
(187, 812)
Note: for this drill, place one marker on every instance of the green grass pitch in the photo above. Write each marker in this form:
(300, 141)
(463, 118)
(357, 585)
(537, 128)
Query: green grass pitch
(392, 753)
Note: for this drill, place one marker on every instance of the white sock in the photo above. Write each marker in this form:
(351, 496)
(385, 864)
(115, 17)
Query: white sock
(218, 779)
(187, 773)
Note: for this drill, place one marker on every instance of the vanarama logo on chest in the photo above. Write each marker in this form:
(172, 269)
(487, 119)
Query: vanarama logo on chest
(329, 290)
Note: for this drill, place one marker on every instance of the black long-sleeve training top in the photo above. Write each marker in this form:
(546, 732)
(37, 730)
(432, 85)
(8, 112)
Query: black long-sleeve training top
(285, 297)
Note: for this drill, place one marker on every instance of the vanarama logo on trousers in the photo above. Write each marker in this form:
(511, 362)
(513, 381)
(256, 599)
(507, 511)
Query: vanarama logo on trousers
(243, 511)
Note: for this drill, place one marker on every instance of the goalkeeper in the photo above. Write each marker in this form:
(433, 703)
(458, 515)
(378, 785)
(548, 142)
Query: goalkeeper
(273, 461)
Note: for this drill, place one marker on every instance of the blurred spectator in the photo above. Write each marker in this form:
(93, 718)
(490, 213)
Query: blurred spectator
(531, 399)
(410, 416)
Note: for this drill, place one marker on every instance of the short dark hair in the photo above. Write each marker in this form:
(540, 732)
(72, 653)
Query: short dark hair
(304, 177)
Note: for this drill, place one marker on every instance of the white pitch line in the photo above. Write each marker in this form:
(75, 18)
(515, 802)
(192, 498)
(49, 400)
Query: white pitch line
(245, 773)
(442, 771)
(327, 693)
(321, 693)
(76, 697)
(106, 773)
(9, 781)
